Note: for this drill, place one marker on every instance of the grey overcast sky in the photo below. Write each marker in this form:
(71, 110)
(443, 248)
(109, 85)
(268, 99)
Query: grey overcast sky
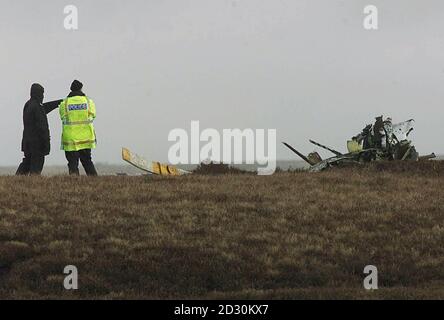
(304, 67)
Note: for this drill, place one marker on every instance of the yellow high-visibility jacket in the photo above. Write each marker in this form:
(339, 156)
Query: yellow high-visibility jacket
(77, 114)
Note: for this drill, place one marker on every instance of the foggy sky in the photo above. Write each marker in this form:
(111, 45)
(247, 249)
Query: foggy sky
(304, 67)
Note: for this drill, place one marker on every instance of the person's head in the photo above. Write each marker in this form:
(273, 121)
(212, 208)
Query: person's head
(37, 92)
(76, 85)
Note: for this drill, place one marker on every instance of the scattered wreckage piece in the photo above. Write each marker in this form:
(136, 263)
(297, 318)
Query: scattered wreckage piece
(310, 162)
(326, 148)
(152, 167)
(348, 158)
(427, 157)
(380, 141)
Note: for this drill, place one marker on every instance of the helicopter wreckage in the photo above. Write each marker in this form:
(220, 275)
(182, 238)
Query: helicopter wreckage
(382, 140)
(151, 167)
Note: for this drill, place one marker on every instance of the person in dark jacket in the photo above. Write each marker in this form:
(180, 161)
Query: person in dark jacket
(36, 138)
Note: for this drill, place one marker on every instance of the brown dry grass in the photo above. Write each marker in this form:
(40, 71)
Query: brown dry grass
(291, 235)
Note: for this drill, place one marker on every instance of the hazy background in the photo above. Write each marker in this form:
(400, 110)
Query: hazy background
(304, 67)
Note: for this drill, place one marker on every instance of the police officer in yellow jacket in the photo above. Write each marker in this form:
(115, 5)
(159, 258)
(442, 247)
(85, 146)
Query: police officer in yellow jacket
(77, 113)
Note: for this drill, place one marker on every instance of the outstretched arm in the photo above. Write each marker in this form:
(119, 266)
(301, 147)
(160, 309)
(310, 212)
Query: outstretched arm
(49, 106)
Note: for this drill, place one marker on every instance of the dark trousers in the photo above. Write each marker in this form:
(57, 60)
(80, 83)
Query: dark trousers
(84, 156)
(32, 164)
